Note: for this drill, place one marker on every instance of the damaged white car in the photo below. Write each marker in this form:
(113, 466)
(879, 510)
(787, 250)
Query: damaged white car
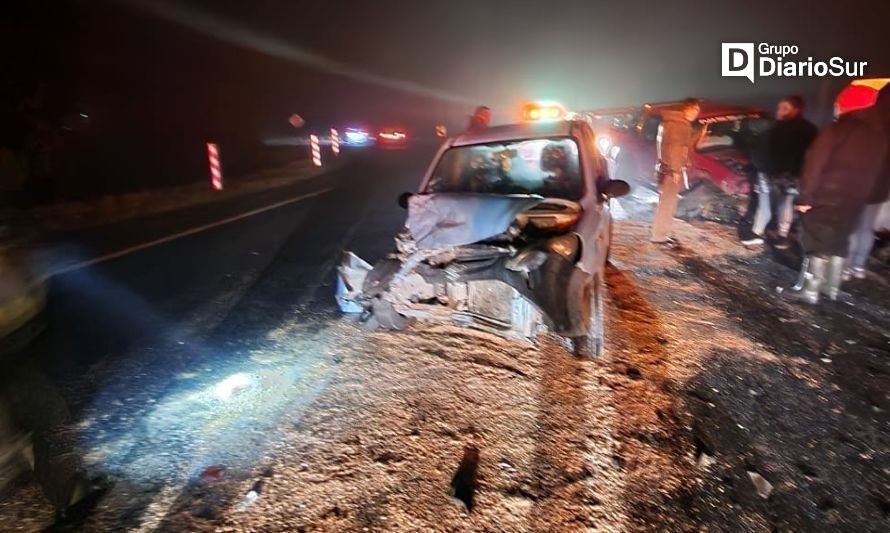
(510, 233)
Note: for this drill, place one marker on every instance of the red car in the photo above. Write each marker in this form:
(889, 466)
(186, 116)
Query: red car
(722, 155)
(392, 138)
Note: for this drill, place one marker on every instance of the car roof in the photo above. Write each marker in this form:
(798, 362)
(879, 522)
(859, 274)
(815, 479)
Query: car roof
(608, 111)
(517, 132)
(708, 109)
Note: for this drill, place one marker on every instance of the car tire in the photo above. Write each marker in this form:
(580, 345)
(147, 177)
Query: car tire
(592, 345)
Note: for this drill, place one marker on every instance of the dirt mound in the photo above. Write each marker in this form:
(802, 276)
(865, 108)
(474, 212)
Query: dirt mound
(706, 201)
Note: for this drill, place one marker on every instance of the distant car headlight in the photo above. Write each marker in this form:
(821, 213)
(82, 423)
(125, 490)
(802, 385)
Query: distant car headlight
(604, 143)
(356, 136)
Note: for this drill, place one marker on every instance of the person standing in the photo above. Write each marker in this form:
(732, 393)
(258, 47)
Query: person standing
(840, 174)
(863, 238)
(779, 159)
(479, 120)
(676, 137)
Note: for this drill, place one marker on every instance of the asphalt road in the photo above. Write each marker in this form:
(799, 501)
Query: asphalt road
(132, 342)
(289, 251)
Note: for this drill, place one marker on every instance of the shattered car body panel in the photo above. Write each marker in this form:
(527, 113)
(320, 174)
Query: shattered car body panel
(511, 263)
(506, 282)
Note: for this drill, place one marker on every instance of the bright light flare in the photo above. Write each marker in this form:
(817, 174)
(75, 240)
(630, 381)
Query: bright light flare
(356, 136)
(228, 387)
(604, 143)
(239, 34)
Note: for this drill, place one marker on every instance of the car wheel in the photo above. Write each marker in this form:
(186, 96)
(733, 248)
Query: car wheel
(592, 345)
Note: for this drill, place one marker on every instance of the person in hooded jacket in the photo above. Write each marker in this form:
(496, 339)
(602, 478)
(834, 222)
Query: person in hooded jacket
(840, 176)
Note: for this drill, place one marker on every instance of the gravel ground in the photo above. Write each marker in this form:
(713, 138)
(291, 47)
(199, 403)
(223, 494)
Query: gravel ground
(717, 408)
(710, 383)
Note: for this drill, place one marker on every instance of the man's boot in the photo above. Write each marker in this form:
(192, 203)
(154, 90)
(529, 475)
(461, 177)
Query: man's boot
(812, 276)
(831, 288)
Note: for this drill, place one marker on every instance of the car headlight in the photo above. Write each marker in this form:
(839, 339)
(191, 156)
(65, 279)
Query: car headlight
(568, 246)
(613, 153)
(603, 142)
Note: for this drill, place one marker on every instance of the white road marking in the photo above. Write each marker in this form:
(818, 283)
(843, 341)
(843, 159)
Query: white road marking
(181, 234)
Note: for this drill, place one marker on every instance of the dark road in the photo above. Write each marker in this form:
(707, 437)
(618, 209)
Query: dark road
(135, 343)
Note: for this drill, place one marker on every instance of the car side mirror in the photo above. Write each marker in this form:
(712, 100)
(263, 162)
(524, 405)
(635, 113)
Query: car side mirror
(403, 199)
(615, 188)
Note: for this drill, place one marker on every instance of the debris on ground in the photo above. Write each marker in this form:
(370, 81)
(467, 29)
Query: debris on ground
(763, 487)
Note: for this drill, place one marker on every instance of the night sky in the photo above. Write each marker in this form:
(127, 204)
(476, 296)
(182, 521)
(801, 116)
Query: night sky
(162, 76)
(584, 53)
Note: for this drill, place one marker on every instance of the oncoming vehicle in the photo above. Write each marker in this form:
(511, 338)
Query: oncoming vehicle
(509, 232)
(722, 155)
(356, 137)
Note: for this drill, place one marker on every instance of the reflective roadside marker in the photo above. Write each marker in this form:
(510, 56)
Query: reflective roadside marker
(335, 141)
(316, 151)
(216, 179)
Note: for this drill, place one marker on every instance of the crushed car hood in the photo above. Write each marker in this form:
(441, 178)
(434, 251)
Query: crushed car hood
(456, 219)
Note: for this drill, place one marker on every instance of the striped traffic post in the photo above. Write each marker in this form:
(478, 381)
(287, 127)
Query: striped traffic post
(216, 178)
(335, 141)
(316, 151)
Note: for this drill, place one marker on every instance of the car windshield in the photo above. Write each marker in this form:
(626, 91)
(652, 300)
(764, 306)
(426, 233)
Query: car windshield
(738, 132)
(548, 167)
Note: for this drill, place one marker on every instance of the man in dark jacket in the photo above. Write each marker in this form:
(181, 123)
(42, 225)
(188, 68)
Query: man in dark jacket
(676, 137)
(779, 158)
(863, 238)
(839, 176)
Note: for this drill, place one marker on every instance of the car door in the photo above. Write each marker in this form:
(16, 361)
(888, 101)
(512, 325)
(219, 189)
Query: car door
(595, 218)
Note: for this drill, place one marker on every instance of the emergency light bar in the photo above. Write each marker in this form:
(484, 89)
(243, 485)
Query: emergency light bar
(540, 112)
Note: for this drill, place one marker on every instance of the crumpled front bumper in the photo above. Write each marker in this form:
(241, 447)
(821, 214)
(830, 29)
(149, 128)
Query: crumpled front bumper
(516, 293)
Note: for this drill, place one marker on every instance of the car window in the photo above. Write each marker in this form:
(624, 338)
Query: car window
(548, 167)
(741, 133)
(624, 121)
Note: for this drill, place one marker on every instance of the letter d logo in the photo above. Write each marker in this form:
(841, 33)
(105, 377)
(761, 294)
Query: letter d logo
(738, 60)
